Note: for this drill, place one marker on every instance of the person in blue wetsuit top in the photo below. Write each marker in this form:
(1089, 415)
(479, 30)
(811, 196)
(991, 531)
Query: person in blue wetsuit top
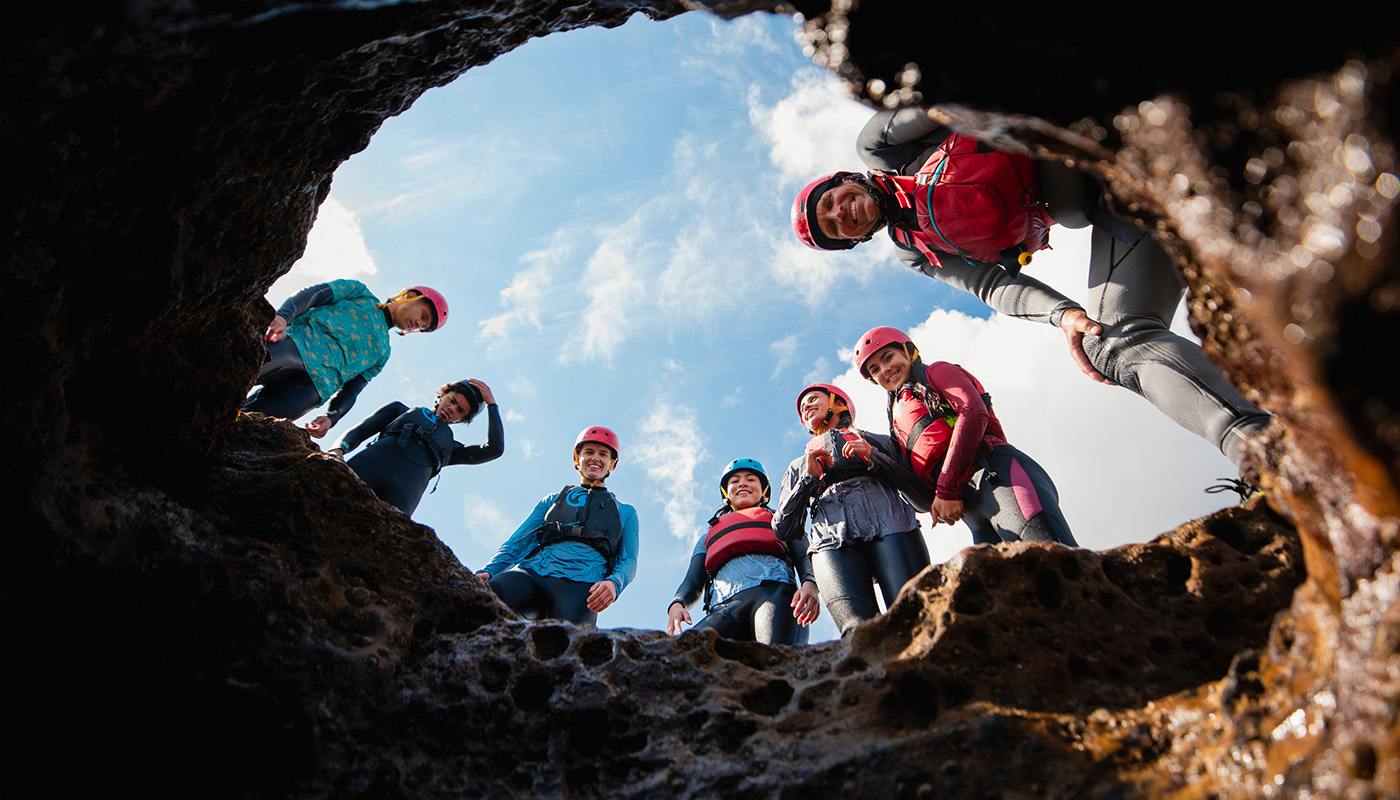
(854, 487)
(414, 444)
(328, 341)
(941, 421)
(972, 216)
(577, 550)
(745, 572)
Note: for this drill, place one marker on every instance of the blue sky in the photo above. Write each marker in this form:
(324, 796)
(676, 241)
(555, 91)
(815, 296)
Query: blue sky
(607, 214)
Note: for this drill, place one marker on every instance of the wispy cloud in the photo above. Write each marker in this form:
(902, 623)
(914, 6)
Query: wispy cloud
(784, 352)
(670, 449)
(614, 286)
(486, 525)
(522, 300)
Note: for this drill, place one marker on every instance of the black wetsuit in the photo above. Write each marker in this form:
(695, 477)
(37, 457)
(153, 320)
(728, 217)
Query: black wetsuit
(413, 446)
(1134, 289)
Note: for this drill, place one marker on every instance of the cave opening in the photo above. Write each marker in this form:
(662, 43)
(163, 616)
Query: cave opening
(607, 212)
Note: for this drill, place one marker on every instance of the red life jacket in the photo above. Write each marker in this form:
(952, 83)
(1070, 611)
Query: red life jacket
(735, 533)
(973, 201)
(922, 425)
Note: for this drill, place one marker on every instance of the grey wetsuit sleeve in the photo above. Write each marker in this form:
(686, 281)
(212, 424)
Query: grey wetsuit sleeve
(899, 141)
(372, 425)
(481, 453)
(1019, 296)
(316, 295)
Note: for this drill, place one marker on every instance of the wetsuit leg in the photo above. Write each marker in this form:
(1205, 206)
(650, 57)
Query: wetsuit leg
(521, 591)
(773, 622)
(393, 478)
(845, 580)
(1133, 293)
(898, 558)
(569, 599)
(1017, 499)
(728, 619)
(284, 389)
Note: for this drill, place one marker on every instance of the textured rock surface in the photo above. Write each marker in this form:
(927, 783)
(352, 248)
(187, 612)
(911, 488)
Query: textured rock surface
(179, 622)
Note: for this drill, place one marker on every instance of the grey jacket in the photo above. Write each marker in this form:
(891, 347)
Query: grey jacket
(861, 508)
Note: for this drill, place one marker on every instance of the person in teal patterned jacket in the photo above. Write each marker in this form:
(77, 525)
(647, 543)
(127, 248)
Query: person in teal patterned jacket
(328, 341)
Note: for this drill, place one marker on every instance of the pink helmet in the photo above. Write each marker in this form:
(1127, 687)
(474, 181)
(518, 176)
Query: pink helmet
(832, 391)
(804, 211)
(875, 339)
(435, 300)
(598, 435)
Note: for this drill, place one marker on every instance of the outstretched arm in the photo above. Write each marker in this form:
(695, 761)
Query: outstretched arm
(688, 593)
(372, 425)
(521, 542)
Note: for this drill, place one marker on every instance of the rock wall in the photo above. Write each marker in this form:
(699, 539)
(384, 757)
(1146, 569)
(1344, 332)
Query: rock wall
(182, 623)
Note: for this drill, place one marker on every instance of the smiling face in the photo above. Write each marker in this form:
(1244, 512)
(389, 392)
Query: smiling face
(414, 316)
(812, 410)
(847, 211)
(744, 489)
(594, 462)
(452, 407)
(889, 367)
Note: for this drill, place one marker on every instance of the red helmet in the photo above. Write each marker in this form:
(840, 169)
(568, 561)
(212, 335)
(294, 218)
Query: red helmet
(598, 435)
(436, 302)
(804, 211)
(875, 339)
(832, 392)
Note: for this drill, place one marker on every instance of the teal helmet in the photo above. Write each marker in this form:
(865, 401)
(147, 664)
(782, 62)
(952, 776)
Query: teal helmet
(751, 465)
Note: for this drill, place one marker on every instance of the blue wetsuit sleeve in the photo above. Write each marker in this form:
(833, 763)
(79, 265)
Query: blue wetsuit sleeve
(895, 470)
(693, 585)
(1019, 296)
(790, 520)
(344, 399)
(372, 425)
(492, 450)
(316, 295)
(520, 543)
(626, 568)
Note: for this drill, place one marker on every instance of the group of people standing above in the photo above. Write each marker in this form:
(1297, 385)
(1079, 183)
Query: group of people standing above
(844, 520)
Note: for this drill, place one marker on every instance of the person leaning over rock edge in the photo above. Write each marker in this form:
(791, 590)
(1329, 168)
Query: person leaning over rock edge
(922, 168)
(577, 550)
(745, 571)
(941, 420)
(414, 444)
(862, 529)
(329, 340)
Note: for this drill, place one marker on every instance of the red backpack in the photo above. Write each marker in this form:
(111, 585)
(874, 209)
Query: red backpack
(973, 201)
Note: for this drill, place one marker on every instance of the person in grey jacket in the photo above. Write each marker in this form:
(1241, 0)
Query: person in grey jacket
(1123, 338)
(862, 528)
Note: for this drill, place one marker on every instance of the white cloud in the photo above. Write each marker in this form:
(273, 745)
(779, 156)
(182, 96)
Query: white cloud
(614, 285)
(669, 451)
(521, 298)
(335, 248)
(813, 130)
(514, 416)
(486, 525)
(784, 352)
